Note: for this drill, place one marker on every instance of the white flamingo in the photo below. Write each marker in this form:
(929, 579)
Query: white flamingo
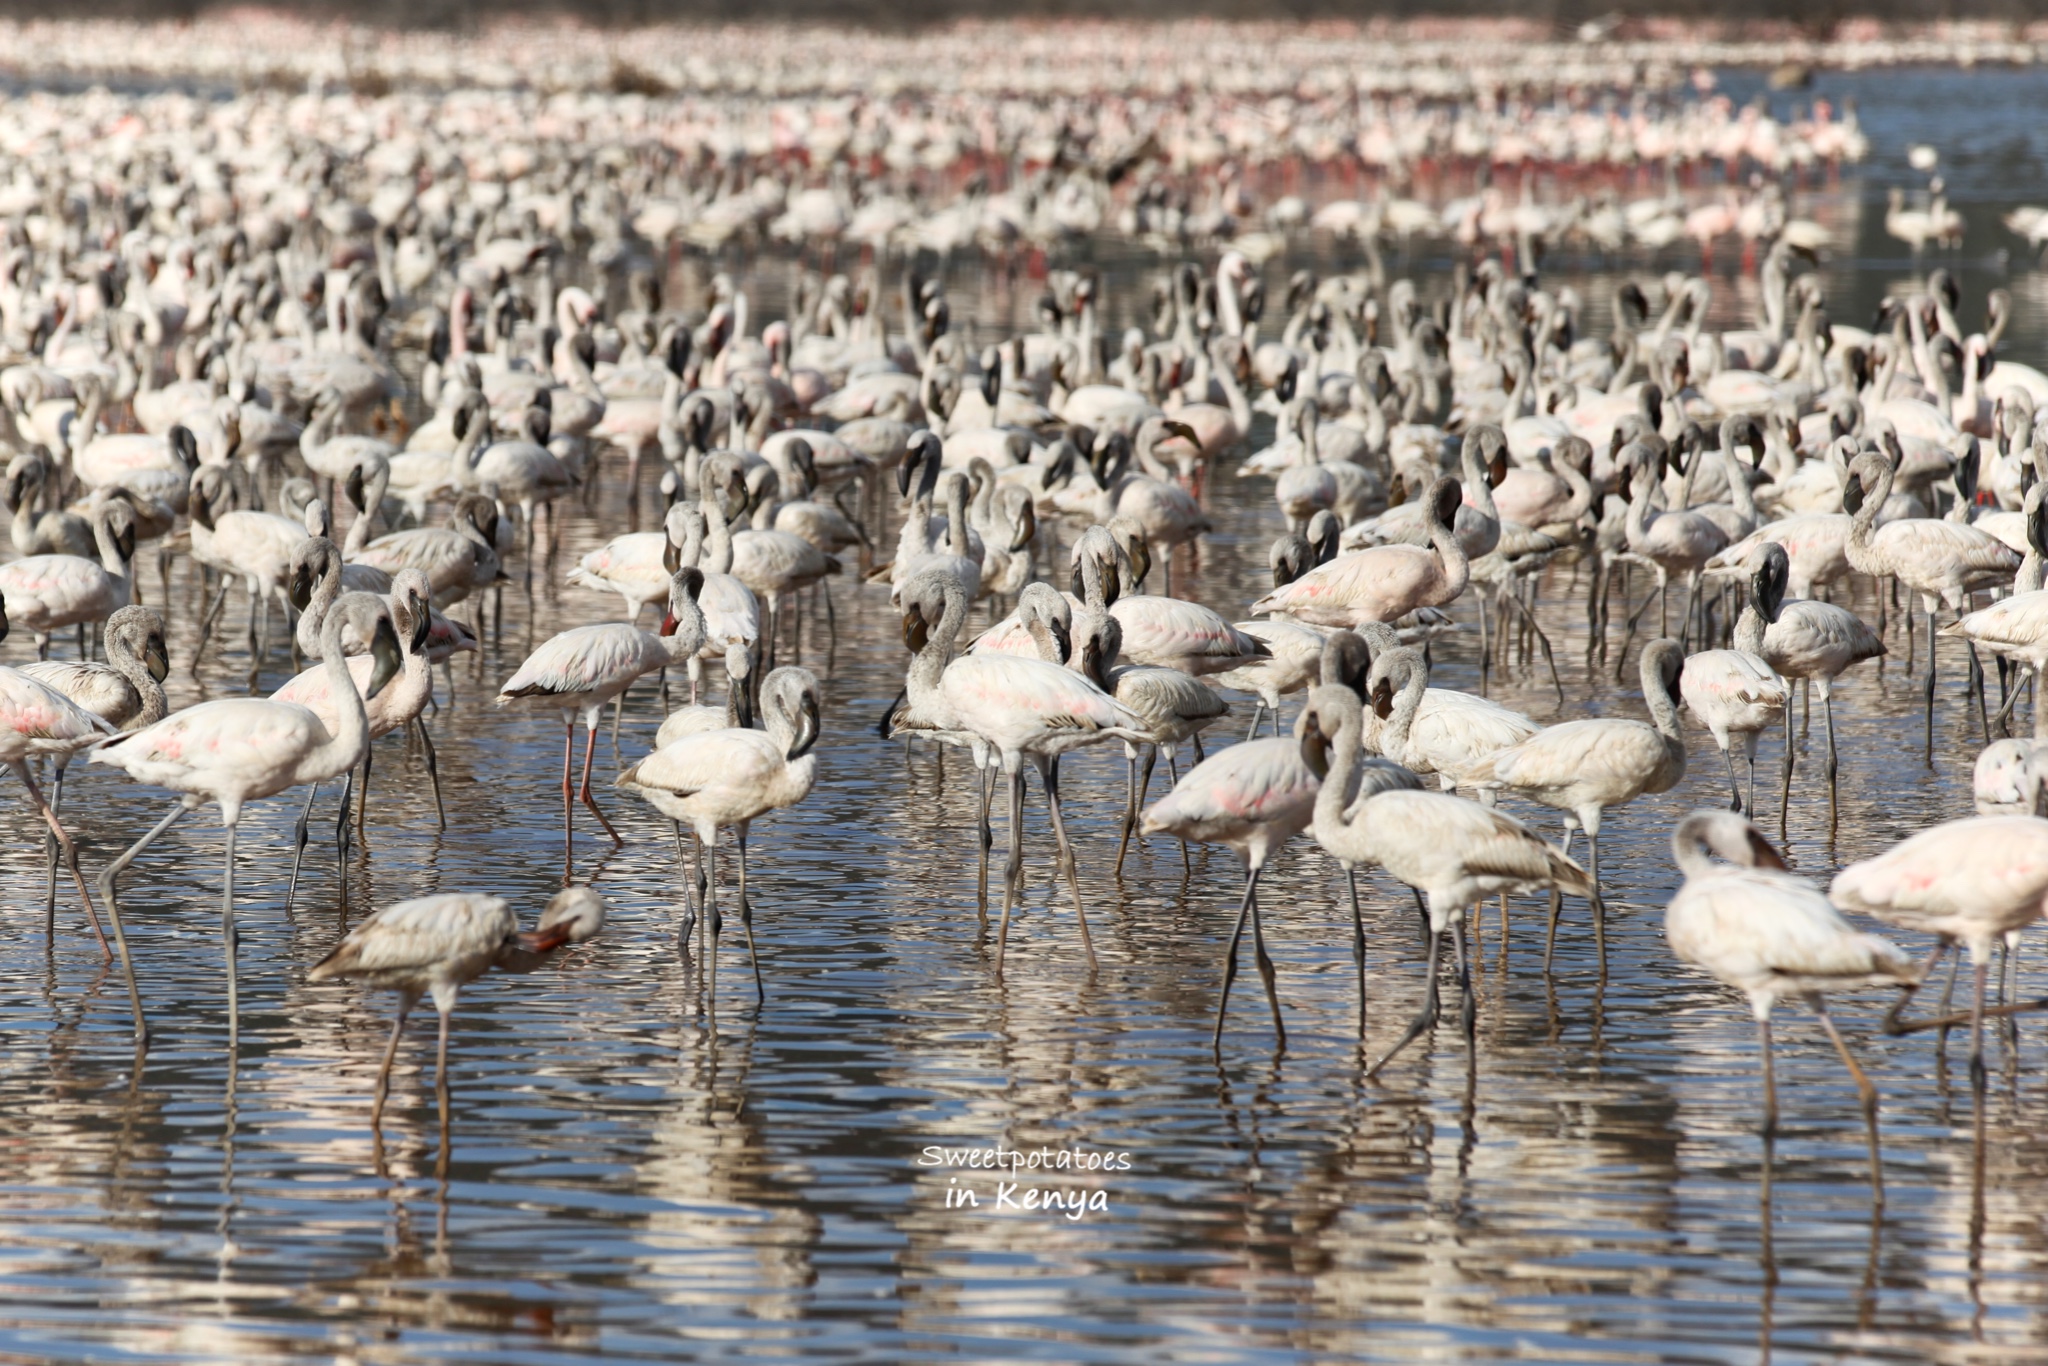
(1584, 767)
(1456, 853)
(1736, 693)
(579, 670)
(1381, 583)
(241, 749)
(46, 593)
(399, 704)
(1253, 797)
(1769, 934)
(1013, 705)
(731, 777)
(1972, 882)
(437, 945)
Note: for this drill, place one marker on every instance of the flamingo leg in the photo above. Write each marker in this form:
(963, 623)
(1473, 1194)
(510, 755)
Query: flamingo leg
(1059, 829)
(1264, 961)
(1130, 815)
(1599, 902)
(984, 782)
(1930, 686)
(1734, 791)
(1749, 769)
(590, 745)
(299, 840)
(109, 877)
(363, 800)
(1977, 1074)
(206, 625)
(1763, 1044)
(406, 1002)
(228, 938)
(1424, 1018)
(1244, 907)
(1785, 783)
(1468, 1006)
(1866, 1093)
(1013, 869)
(714, 924)
(63, 839)
(1357, 944)
(739, 836)
(568, 796)
(441, 1094)
(1827, 717)
(433, 772)
(50, 861)
(1258, 711)
(341, 835)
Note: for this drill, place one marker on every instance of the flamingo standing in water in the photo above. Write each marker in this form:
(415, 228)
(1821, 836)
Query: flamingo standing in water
(39, 721)
(240, 749)
(1583, 767)
(581, 669)
(1253, 797)
(1015, 706)
(1769, 934)
(731, 777)
(1972, 882)
(1456, 853)
(436, 945)
(127, 692)
(398, 705)
(1382, 582)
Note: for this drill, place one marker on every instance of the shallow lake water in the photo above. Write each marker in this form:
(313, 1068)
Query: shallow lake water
(637, 1175)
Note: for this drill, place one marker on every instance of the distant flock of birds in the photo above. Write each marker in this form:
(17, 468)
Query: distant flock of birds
(196, 364)
(1169, 141)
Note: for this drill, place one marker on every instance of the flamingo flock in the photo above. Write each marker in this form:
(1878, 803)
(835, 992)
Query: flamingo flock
(381, 361)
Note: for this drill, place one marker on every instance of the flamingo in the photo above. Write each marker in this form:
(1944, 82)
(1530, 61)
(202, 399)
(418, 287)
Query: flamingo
(255, 547)
(1332, 745)
(46, 593)
(1435, 731)
(732, 777)
(1680, 541)
(579, 670)
(127, 692)
(437, 945)
(1769, 934)
(1816, 641)
(241, 749)
(1014, 706)
(398, 705)
(1175, 706)
(1584, 767)
(1736, 692)
(1456, 853)
(1109, 567)
(1253, 797)
(1943, 561)
(1381, 583)
(1971, 882)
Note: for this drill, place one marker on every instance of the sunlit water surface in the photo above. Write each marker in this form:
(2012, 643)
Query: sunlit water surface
(634, 1179)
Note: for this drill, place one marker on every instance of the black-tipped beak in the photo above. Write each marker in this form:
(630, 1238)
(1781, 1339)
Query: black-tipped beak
(156, 658)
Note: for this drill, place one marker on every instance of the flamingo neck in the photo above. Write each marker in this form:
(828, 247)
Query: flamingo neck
(344, 749)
